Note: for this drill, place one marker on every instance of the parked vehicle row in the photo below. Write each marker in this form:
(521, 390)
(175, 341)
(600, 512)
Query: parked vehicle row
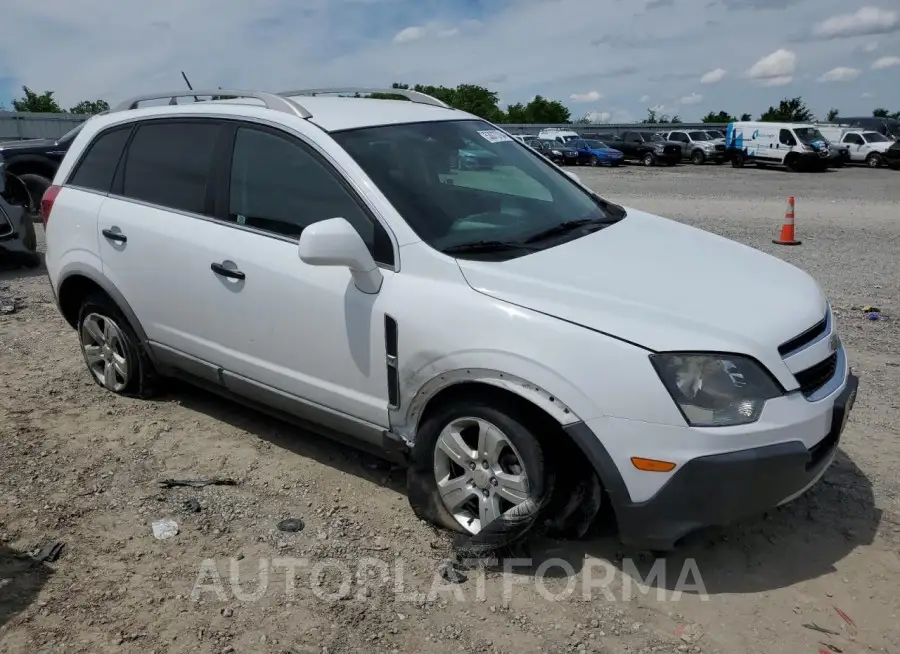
(798, 146)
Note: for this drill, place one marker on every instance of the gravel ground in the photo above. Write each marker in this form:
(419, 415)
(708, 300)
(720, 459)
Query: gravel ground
(81, 466)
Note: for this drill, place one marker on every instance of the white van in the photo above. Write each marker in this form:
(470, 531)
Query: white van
(794, 145)
(558, 134)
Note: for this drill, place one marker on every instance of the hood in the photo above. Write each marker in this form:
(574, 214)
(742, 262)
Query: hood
(881, 147)
(28, 144)
(662, 285)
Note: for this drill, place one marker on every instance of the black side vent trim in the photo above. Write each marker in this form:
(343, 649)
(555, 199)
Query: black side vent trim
(393, 372)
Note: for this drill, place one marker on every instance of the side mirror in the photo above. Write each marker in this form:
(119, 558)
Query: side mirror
(573, 175)
(334, 242)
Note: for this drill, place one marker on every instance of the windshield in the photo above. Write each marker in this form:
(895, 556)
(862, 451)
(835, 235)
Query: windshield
(651, 136)
(875, 137)
(71, 134)
(550, 144)
(808, 134)
(596, 145)
(699, 136)
(715, 134)
(449, 201)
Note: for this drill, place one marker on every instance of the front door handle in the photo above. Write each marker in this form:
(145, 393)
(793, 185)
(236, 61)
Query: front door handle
(118, 237)
(232, 273)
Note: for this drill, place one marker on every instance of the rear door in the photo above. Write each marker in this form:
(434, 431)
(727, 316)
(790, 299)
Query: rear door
(152, 223)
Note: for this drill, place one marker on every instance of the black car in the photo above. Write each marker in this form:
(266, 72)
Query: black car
(558, 153)
(891, 156)
(34, 161)
(18, 241)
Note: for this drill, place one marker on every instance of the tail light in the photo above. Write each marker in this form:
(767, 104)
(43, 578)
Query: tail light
(47, 203)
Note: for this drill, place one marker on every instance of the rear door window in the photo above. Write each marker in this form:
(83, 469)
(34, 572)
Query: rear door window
(98, 166)
(169, 164)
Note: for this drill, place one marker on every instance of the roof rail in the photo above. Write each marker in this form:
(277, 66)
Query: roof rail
(412, 96)
(272, 101)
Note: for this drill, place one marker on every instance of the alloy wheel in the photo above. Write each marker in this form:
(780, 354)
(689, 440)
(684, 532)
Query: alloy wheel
(103, 344)
(479, 473)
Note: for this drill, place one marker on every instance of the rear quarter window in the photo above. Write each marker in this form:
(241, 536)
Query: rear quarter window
(98, 165)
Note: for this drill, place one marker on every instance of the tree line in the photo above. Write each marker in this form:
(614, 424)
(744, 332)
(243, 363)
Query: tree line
(485, 103)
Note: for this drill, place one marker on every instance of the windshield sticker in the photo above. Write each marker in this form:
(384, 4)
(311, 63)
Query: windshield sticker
(494, 136)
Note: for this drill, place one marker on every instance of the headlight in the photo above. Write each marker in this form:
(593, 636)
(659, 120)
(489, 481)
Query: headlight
(556, 152)
(659, 147)
(716, 390)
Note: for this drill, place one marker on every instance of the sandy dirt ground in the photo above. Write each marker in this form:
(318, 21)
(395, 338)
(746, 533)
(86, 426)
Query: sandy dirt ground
(81, 466)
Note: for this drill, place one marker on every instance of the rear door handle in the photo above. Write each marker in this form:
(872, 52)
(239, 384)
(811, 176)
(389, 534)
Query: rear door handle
(219, 269)
(118, 237)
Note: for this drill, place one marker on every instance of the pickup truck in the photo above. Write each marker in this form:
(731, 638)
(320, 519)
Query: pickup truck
(649, 148)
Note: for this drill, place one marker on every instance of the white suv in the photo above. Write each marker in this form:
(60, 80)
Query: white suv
(514, 336)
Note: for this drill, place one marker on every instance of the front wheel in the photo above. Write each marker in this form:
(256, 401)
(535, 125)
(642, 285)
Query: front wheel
(37, 185)
(473, 460)
(697, 157)
(594, 160)
(737, 160)
(873, 160)
(648, 159)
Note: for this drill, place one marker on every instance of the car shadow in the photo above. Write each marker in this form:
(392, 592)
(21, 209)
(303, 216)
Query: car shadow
(11, 271)
(297, 440)
(21, 580)
(797, 542)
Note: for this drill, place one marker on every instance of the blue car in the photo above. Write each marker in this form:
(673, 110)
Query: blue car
(595, 153)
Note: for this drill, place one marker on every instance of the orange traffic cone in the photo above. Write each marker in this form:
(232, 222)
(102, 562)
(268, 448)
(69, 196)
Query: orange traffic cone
(787, 229)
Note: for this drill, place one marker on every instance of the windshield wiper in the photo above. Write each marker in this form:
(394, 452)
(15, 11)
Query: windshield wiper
(486, 246)
(569, 226)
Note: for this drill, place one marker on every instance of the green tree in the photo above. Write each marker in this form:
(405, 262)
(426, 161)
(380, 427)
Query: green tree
(676, 119)
(43, 103)
(832, 115)
(746, 117)
(652, 117)
(789, 110)
(541, 110)
(466, 97)
(516, 113)
(90, 107)
(880, 113)
(721, 117)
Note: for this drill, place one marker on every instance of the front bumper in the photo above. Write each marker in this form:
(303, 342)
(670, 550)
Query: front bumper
(718, 489)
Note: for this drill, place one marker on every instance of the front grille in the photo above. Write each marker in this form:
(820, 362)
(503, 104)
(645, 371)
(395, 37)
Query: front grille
(815, 377)
(720, 147)
(808, 336)
(674, 149)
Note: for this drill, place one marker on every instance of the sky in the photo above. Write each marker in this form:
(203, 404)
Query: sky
(609, 59)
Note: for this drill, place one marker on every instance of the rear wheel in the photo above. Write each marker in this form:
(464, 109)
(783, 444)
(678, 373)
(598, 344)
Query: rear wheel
(111, 349)
(473, 460)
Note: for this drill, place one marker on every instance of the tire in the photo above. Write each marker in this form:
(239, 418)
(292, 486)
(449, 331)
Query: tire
(648, 159)
(737, 160)
(133, 374)
(428, 460)
(594, 161)
(29, 238)
(37, 185)
(873, 160)
(698, 158)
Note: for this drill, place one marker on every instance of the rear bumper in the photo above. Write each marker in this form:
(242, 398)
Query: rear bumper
(718, 489)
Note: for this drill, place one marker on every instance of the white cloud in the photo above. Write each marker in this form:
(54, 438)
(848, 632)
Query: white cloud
(840, 74)
(589, 96)
(598, 116)
(866, 20)
(658, 108)
(866, 94)
(693, 98)
(644, 98)
(886, 62)
(413, 33)
(714, 76)
(453, 31)
(777, 65)
(781, 80)
(870, 47)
